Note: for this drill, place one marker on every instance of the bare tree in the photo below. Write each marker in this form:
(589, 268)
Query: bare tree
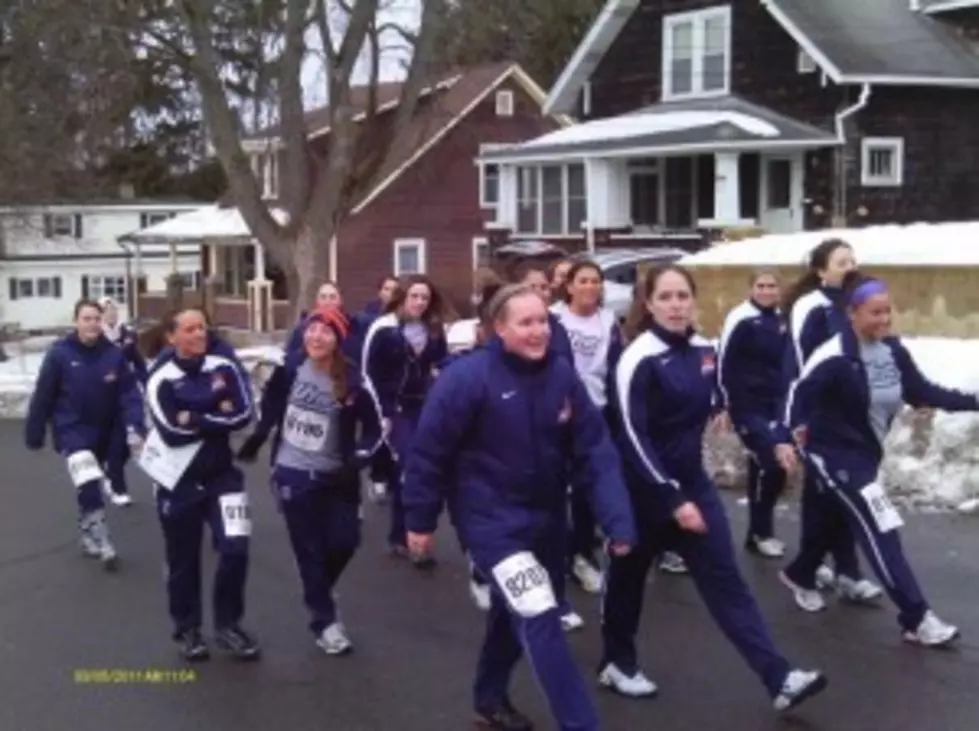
(315, 190)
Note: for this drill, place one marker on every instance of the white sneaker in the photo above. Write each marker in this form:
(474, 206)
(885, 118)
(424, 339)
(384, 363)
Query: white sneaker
(857, 592)
(932, 632)
(95, 539)
(107, 488)
(808, 600)
(334, 641)
(590, 578)
(480, 594)
(571, 621)
(767, 547)
(825, 578)
(379, 492)
(632, 686)
(799, 685)
(673, 563)
(121, 501)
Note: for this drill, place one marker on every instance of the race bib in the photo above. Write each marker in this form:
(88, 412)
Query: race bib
(236, 515)
(881, 507)
(84, 468)
(165, 465)
(305, 430)
(525, 584)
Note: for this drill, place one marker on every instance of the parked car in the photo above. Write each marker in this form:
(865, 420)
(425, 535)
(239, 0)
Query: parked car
(621, 269)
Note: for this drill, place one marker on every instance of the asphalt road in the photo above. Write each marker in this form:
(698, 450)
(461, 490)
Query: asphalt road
(416, 636)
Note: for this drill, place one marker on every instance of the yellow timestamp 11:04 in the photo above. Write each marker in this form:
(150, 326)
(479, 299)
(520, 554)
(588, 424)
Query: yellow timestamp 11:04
(127, 676)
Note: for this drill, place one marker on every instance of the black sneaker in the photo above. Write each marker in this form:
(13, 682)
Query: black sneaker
(192, 646)
(237, 642)
(424, 563)
(503, 718)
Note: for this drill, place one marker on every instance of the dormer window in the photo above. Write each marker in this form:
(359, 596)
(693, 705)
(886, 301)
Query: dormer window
(697, 53)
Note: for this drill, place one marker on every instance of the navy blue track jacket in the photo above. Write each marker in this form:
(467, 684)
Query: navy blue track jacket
(505, 434)
(84, 391)
(749, 366)
(358, 411)
(128, 340)
(831, 398)
(814, 319)
(198, 386)
(665, 395)
(396, 378)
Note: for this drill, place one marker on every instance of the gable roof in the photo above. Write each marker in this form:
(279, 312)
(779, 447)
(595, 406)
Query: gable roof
(853, 41)
(945, 6)
(445, 113)
(877, 42)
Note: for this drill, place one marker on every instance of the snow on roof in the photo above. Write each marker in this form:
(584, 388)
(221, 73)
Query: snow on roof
(643, 124)
(208, 222)
(919, 244)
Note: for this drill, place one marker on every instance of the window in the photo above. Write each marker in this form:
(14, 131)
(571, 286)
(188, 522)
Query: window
(190, 280)
(489, 185)
(409, 257)
(151, 219)
(551, 200)
(577, 198)
(882, 161)
(19, 288)
(528, 200)
(504, 103)
(62, 224)
(805, 64)
(697, 53)
(97, 286)
(481, 257)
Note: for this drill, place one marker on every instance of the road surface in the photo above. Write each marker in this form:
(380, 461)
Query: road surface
(416, 636)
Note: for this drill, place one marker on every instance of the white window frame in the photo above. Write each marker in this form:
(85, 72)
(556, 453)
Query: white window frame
(505, 103)
(98, 292)
(567, 228)
(479, 242)
(804, 63)
(483, 202)
(698, 19)
(895, 145)
(420, 245)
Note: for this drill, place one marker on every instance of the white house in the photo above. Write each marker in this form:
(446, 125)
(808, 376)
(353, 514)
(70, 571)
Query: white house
(53, 255)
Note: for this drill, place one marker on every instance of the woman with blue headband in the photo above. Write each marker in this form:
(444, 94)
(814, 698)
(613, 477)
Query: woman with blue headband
(840, 411)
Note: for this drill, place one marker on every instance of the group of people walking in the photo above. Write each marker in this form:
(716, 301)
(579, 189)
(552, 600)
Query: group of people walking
(563, 446)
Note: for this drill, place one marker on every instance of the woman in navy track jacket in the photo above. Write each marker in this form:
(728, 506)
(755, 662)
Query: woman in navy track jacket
(842, 407)
(316, 407)
(87, 392)
(749, 368)
(816, 313)
(665, 394)
(402, 353)
(499, 437)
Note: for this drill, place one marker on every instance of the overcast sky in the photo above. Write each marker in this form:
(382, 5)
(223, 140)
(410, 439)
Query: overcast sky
(393, 56)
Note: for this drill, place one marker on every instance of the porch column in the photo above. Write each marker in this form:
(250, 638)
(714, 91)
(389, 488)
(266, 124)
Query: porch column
(174, 267)
(727, 188)
(260, 316)
(137, 278)
(607, 188)
(507, 207)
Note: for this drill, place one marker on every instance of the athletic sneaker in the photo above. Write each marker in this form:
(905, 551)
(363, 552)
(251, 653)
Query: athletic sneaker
(237, 642)
(932, 632)
(799, 686)
(673, 563)
(636, 685)
(502, 718)
(571, 621)
(334, 640)
(192, 645)
(95, 539)
(857, 591)
(587, 576)
(765, 547)
(808, 600)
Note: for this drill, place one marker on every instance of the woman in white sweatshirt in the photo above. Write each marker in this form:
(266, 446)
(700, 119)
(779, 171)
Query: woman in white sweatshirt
(596, 344)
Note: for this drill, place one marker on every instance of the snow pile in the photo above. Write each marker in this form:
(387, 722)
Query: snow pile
(919, 244)
(932, 458)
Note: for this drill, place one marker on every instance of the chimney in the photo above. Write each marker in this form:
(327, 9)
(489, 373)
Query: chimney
(127, 191)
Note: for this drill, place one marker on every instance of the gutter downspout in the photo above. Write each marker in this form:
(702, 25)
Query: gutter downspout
(841, 182)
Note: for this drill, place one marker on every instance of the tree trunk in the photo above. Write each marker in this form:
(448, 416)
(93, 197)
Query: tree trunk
(312, 258)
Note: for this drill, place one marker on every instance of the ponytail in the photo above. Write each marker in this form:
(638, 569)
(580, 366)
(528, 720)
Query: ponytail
(805, 284)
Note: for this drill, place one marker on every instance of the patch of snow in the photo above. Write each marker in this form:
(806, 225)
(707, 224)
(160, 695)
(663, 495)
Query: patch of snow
(919, 244)
(642, 124)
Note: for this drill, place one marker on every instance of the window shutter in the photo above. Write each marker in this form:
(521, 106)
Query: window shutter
(12, 283)
(84, 287)
(144, 220)
(48, 226)
(78, 226)
(57, 287)
(141, 285)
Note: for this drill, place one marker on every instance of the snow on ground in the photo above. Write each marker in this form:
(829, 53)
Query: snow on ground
(932, 458)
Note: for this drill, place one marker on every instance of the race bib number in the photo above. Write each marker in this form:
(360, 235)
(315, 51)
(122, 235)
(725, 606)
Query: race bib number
(84, 468)
(525, 584)
(305, 430)
(236, 515)
(885, 514)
